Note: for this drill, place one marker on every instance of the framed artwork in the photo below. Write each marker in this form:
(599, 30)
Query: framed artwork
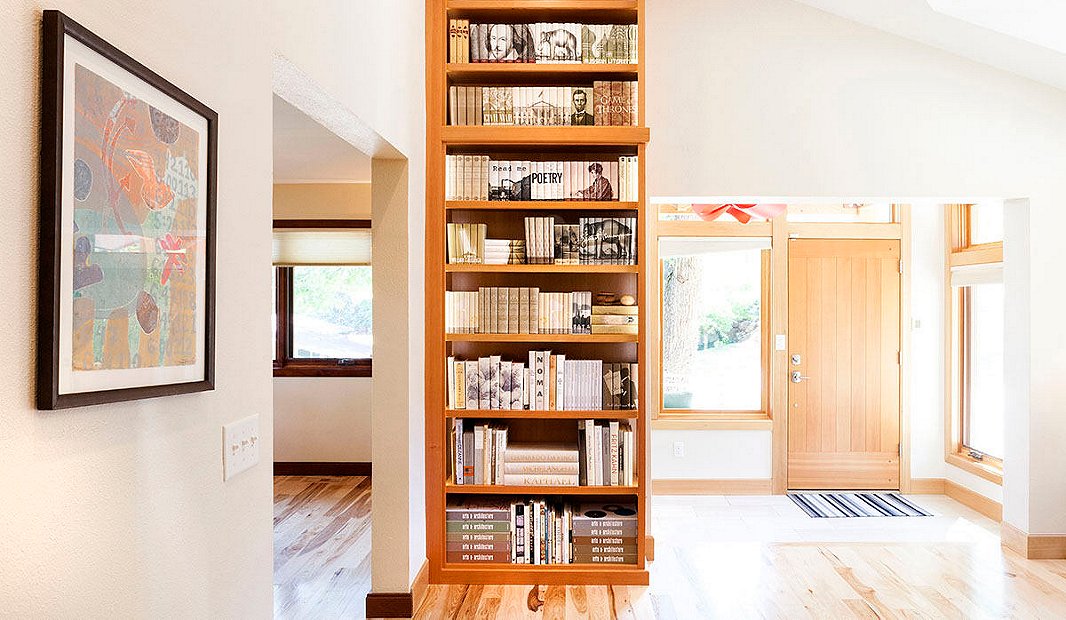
(127, 287)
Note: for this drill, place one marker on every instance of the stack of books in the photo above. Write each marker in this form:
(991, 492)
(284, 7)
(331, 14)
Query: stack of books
(559, 43)
(615, 319)
(607, 453)
(479, 531)
(479, 177)
(505, 252)
(604, 103)
(478, 451)
(540, 465)
(604, 534)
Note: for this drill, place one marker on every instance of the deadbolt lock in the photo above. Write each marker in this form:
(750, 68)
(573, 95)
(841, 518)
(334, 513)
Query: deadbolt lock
(796, 359)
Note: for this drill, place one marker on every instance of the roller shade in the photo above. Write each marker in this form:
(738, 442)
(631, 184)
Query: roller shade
(970, 275)
(295, 247)
(672, 247)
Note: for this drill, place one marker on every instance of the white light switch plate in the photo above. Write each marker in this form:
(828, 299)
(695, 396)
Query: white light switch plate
(240, 446)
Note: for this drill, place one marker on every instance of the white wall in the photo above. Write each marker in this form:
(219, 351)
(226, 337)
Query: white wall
(120, 510)
(711, 455)
(769, 97)
(370, 57)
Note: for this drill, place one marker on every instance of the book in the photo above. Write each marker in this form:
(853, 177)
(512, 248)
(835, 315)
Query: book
(540, 453)
(540, 479)
(601, 310)
(615, 329)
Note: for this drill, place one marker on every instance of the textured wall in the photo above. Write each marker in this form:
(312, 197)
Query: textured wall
(120, 510)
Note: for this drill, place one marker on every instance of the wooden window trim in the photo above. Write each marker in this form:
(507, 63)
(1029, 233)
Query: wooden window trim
(958, 335)
(284, 364)
(715, 419)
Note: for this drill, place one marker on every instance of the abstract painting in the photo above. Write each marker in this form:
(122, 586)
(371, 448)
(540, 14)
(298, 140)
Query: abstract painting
(127, 227)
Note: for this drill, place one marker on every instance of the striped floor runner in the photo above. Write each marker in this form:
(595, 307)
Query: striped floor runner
(860, 504)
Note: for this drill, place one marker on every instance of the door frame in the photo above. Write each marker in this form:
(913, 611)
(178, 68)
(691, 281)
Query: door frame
(783, 231)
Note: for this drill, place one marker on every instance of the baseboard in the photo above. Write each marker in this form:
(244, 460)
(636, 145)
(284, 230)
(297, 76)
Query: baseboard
(716, 486)
(988, 507)
(927, 486)
(399, 604)
(321, 468)
(1033, 546)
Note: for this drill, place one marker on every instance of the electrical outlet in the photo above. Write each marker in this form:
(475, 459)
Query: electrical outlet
(679, 449)
(240, 446)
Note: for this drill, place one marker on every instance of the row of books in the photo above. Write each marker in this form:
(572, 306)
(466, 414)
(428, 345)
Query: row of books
(562, 43)
(527, 310)
(538, 531)
(547, 383)
(592, 241)
(479, 177)
(604, 103)
(604, 456)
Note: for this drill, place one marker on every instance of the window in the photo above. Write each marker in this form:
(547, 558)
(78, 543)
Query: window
(323, 298)
(715, 326)
(976, 326)
(871, 213)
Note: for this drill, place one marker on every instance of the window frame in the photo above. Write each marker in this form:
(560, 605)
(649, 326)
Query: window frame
(711, 230)
(960, 252)
(285, 365)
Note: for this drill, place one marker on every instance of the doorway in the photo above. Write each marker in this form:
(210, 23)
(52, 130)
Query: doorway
(844, 363)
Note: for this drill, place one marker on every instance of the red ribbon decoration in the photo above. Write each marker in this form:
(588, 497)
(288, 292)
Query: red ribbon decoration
(743, 213)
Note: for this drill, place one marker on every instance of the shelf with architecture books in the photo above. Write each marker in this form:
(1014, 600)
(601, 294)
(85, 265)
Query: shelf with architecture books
(535, 261)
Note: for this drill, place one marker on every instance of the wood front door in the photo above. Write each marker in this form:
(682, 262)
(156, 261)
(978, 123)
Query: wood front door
(843, 367)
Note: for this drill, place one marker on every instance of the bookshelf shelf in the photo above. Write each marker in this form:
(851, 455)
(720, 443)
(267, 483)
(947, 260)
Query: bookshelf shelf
(544, 205)
(476, 268)
(568, 338)
(507, 489)
(489, 135)
(504, 220)
(528, 414)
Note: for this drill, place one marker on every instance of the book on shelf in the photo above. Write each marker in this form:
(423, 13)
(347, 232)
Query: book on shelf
(479, 177)
(607, 456)
(615, 319)
(540, 42)
(539, 531)
(603, 103)
(545, 382)
(592, 241)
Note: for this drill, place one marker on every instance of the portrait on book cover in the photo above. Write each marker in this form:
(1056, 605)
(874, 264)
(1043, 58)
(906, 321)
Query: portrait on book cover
(132, 221)
(580, 101)
(509, 43)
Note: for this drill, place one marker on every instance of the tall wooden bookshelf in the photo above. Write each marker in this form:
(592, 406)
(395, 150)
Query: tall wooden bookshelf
(514, 142)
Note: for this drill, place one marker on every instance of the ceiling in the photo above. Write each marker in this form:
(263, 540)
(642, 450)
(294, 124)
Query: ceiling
(306, 152)
(1019, 36)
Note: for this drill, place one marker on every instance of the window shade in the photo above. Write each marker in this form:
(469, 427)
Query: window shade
(295, 247)
(672, 247)
(970, 275)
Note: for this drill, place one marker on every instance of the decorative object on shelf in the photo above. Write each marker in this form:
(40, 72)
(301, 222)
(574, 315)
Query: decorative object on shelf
(743, 213)
(127, 227)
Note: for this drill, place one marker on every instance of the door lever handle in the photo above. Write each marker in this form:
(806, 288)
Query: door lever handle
(797, 377)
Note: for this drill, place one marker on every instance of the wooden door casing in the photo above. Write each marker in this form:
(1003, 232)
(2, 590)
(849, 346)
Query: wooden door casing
(844, 323)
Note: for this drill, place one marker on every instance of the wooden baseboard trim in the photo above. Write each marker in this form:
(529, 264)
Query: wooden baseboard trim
(724, 486)
(389, 605)
(988, 507)
(399, 604)
(927, 486)
(321, 468)
(1033, 546)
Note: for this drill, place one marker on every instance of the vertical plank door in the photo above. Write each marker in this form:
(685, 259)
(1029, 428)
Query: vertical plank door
(844, 332)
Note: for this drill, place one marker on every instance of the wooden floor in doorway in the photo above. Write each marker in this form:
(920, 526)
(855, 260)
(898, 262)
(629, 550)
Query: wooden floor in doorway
(321, 546)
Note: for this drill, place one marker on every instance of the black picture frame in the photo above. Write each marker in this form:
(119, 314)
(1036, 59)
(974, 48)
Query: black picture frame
(57, 27)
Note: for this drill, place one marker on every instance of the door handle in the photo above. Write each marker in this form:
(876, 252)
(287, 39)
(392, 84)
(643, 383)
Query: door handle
(797, 377)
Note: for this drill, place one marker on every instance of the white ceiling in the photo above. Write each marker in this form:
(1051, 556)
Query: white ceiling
(306, 152)
(1020, 36)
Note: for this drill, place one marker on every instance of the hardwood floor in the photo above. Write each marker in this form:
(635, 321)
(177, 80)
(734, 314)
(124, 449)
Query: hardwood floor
(716, 557)
(321, 546)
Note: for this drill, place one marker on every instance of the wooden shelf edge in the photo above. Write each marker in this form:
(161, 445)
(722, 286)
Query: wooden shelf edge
(556, 135)
(508, 489)
(537, 205)
(515, 414)
(542, 5)
(550, 574)
(525, 268)
(546, 338)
